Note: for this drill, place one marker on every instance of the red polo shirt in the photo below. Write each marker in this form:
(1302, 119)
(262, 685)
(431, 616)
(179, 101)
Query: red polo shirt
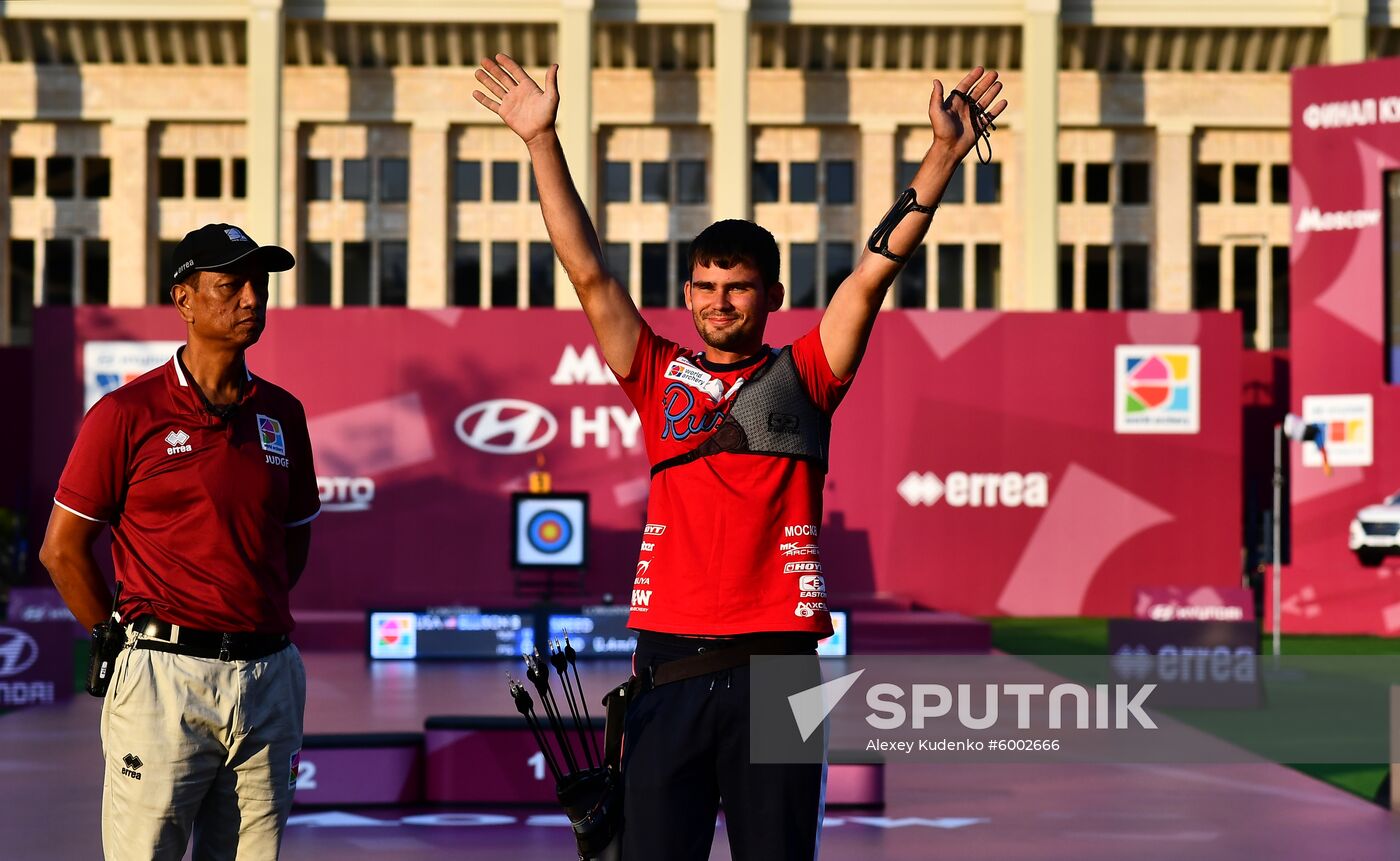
(731, 541)
(199, 506)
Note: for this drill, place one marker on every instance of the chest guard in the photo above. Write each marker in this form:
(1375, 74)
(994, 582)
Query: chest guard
(772, 415)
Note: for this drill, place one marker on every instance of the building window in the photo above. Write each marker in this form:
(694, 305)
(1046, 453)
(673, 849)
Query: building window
(1247, 290)
(956, 192)
(989, 183)
(1135, 183)
(618, 257)
(505, 182)
(840, 261)
(393, 180)
(541, 288)
(1134, 278)
(97, 177)
(21, 283)
(1205, 285)
(208, 178)
(97, 271)
(316, 274)
(393, 273)
(240, 178)
(840, 183)
(655, 281)
(950, 275)
(802, 275)
(1278, 183)
(1066, 277)
(1206, 183)
(354, 179)
(764, 187)
(1096, 278)
(988, 275)
(165, 251)
(534, 189)
(318, 179)
(61, 176)
(617, 181)
(802, 182)
(1246, 183)
(913, 281)
(1097, 182)
(466, 180)
(656, 182)
(1066, 182)
(682, 271)
(355, 271)
(692, 182)
(58, 272)
(1278, 293)
(904, 176)
(22, 177)
(466, 274)
(505, 274)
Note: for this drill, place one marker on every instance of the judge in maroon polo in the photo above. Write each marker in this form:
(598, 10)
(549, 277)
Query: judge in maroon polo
(203, 471)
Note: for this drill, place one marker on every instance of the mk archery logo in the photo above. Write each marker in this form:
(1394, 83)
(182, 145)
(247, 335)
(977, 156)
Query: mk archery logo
(178, 442)
(132, 766)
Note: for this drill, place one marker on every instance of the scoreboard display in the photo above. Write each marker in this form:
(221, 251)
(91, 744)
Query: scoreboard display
(466, 633)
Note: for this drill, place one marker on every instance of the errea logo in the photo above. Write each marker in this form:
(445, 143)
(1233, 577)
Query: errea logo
(178, 442)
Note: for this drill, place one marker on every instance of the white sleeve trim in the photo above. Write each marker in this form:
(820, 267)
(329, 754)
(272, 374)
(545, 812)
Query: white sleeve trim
(82, 515)
(304, 520)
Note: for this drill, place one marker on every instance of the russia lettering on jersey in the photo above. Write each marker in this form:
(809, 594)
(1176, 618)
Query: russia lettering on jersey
(720, 531)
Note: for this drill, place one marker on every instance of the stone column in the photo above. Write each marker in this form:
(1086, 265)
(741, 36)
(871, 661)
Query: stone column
(1041, 124)
(1346, 32)
(1174, 213)
(427, 213)
(575, 124)
(730, 123)
(266, 22)
(879, 166)
(138, 276)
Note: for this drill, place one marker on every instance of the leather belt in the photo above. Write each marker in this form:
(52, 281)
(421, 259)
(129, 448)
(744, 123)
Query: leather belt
(160, 636)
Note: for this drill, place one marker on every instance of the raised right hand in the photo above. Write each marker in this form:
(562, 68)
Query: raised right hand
(524, 107)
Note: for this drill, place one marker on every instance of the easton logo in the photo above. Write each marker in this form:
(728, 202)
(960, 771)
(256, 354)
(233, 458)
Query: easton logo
(132, 766)
(178, 442)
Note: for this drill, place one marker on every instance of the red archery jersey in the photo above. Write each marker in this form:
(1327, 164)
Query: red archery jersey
(731, 541)
(199, 507)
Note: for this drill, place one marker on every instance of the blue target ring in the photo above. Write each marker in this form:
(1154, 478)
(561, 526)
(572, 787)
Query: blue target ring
(549, 531)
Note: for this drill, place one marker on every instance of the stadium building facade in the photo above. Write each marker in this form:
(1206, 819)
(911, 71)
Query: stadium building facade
(1143, 162)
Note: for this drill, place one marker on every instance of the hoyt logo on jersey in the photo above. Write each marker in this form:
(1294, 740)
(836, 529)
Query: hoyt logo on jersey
(273, 440)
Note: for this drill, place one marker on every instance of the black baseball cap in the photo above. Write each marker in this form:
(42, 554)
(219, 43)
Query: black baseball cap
(224, 248)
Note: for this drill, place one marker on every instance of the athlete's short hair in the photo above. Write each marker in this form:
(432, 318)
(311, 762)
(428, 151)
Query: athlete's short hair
(733, 241)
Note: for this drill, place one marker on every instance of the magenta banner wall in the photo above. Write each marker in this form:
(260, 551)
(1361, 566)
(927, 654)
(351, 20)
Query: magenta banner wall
(976, 464)
(1345, 136)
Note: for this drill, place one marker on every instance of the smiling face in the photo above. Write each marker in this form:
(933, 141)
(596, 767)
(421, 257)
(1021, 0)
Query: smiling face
(730, 307)
(224, 308)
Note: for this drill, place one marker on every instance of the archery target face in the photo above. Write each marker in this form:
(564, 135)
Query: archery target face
(550, 531)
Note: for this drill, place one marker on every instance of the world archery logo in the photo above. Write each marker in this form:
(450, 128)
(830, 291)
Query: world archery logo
(270, 435)
(393, 635)
(1157, 389)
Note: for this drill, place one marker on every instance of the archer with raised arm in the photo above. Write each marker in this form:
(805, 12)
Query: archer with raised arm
(737, 436)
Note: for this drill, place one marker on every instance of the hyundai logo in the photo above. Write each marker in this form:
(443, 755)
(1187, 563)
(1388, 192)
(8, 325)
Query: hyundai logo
(18, 652)
(506, 426)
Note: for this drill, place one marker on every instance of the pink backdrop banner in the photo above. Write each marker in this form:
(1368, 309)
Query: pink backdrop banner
(1345, 137)
(975, 465)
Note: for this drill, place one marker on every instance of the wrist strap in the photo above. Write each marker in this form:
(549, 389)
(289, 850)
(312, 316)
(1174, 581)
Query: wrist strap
(982, 123)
